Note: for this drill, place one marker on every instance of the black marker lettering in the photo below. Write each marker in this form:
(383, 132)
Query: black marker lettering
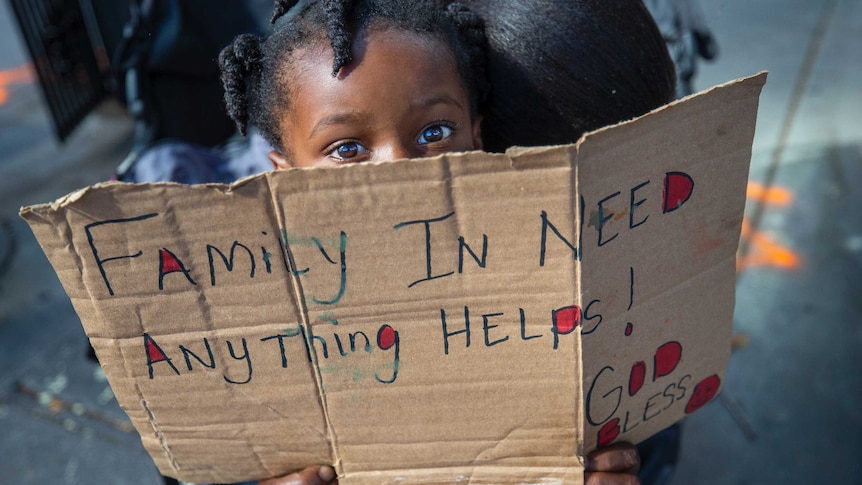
(338, 343)
(603, 219)
(618, 390)
(387, 337)
(447, 334)
(462, 245)
(307, 341)
(170, 263)
(155, 354)
(187, 353)
(524, 335)
(631, 287)
(245, 357)
(101, 262)
(634, 205)
(342, 287)
(353, 336)
(267, 256)
(281, 346)
(322, 342)
(228, 262)
(546, 224)
(588, 317)
(650, 404)
(291, 264)
(427, 223)
(626, 427)
(487, 328)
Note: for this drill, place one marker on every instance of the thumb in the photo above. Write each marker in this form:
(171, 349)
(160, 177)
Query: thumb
(313, 475)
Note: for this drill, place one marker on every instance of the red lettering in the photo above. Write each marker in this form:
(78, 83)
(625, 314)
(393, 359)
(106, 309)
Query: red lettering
(385, 337)
(678, 187)
(609, 432)
(169, 262)
(703, 392)
(637, 377)
(566, 319)
(667, 357)
(154, 352)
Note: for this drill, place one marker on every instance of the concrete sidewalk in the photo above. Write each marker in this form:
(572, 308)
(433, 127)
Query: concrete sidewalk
(61, 423)
(788, 411)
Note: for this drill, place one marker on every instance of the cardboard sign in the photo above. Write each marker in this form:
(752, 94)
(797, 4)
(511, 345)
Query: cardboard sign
(481, 318)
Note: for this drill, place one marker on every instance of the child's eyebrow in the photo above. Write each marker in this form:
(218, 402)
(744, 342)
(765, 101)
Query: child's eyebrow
(354, 117)
(433, 100)
(338, 119)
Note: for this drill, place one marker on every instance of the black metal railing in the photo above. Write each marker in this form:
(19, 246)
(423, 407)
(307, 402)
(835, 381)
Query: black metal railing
(71, 67)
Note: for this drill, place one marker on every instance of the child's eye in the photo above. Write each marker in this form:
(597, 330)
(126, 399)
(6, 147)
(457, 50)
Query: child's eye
(435, 133)
(348, 151)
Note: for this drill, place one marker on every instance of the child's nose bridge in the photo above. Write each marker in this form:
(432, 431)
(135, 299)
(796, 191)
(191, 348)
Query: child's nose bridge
(396, 148)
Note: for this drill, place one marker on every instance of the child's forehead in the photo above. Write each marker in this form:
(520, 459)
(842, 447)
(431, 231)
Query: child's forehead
(387, 65)
(411, 45)
(431, 44)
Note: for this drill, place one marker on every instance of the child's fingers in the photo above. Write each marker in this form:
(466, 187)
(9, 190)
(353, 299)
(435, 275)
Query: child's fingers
(605, 478)
(314, 475)
(617, 458)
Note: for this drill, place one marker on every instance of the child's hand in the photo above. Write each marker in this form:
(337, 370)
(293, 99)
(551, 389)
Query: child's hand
(313, 475)
(613, 465)
(616, 464)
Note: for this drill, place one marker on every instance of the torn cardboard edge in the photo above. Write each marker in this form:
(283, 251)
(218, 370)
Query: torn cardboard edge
(569, 234)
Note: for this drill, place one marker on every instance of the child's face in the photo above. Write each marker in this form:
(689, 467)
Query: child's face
(400, 97)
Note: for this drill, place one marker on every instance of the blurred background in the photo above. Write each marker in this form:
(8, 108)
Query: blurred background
(789, 412)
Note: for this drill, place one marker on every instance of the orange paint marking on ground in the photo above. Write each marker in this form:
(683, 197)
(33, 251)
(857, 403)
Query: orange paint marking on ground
(768, 195)
(762, 249)
(22, 74)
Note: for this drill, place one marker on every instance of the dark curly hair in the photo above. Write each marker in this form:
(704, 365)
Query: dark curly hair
(256, 90)
(560, 68)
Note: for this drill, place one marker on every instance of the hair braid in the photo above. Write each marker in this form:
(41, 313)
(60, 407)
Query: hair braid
(338, 32)
(281, 8)
(471, 29)
(240, 64)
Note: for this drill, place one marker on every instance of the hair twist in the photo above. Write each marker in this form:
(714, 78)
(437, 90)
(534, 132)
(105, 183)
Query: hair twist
(471, 30)
(240, 64)
(281, 8)
(338, 32)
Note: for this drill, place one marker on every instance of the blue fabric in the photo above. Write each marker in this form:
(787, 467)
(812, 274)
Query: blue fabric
(188, 163)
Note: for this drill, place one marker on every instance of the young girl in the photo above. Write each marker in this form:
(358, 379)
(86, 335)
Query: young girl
(342, 81)
(370, 80)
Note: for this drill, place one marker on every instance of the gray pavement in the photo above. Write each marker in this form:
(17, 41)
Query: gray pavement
(788, 413)
(60, 421)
